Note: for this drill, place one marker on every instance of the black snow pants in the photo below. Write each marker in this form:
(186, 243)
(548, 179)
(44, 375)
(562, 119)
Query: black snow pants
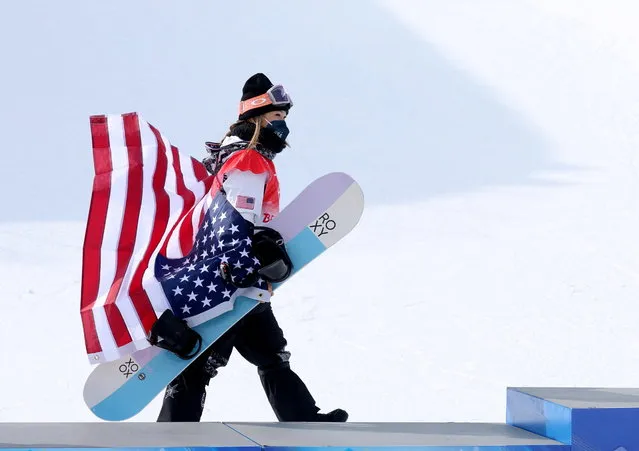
(259, 339)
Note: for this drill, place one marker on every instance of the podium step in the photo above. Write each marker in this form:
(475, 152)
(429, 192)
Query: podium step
(275, 436)
(153, 436)
(395, 436)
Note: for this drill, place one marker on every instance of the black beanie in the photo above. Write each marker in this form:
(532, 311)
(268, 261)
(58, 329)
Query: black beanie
(255, 86)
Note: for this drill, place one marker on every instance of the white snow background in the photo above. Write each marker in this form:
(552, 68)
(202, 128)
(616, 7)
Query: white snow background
(495, 142)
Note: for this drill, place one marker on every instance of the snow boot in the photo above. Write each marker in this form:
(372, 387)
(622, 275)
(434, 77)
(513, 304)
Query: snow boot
(334, 416)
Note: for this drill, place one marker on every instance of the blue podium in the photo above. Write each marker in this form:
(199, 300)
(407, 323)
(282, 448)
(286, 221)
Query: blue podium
(588, 419)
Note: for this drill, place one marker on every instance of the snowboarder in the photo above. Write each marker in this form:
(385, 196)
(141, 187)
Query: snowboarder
(243, 164)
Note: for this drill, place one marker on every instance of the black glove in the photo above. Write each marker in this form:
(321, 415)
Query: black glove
(275, 264)
(269, 248)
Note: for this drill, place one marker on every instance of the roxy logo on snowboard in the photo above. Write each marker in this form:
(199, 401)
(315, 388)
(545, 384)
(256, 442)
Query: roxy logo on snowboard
(129, 368)
(323, 225)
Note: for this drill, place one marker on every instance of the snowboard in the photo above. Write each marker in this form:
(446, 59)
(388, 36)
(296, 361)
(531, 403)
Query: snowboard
(320, 216)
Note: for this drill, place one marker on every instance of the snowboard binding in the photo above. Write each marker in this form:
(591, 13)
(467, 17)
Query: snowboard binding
(174, 335)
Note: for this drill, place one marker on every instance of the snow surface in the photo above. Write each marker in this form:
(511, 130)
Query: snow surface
(495, 142)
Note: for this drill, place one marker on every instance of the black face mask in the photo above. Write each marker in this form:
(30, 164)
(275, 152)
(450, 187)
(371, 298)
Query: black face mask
(279, 128)
(269, 142)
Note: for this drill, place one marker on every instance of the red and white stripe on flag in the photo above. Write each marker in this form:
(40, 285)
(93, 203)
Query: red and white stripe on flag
(147, 198)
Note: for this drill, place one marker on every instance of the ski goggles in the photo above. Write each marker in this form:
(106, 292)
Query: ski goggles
(275, 96)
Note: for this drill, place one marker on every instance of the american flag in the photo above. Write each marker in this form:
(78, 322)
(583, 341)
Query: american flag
(245, 202)
(193, 284)
(148, 204)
